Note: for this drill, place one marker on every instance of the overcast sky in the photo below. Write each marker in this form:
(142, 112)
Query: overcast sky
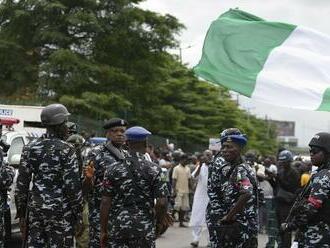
(197, 16)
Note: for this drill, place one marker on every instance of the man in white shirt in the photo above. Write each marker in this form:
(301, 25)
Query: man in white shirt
(201, 199)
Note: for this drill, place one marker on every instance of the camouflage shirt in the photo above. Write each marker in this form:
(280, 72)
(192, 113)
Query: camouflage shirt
(224, 191)
(133, 186)
(56, 179)
(311, 218)
(102, 158)
(6, 179)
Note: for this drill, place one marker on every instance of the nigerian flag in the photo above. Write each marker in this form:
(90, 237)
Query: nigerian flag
(272, 62)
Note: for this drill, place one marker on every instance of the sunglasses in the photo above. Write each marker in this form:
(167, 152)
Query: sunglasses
(315, 150)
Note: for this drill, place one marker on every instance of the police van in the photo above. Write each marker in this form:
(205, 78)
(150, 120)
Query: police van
(19, 126)
(16, 140)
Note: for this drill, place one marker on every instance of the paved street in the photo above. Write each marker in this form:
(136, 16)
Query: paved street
(176, 237)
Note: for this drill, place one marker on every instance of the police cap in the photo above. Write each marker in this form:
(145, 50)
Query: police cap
(321, 140)
(115, 122)
(233, 135)
(137, 133)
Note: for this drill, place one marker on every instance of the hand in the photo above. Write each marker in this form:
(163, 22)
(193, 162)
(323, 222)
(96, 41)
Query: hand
(89, 170)
(23, 227)
(79, 228)
(226, 220)
(104, 239)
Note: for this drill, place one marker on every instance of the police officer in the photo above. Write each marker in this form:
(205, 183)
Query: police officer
(6, 179)
(232, 213)
(130, 188)
(77, 141)
(82, 236)
(49, 212)
(311, 212)
(288, 183)
(98, 159)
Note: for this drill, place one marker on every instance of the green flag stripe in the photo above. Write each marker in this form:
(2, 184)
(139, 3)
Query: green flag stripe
(325, 104)
(236, 48)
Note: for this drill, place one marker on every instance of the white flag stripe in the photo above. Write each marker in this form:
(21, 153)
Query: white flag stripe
(297, 73)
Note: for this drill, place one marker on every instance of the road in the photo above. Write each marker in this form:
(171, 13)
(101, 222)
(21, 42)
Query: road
(174, 237)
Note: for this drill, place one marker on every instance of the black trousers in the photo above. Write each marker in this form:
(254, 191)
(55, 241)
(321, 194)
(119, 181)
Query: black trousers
(282, 212)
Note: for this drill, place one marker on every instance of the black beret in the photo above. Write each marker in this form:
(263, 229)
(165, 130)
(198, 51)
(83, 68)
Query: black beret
(115, 122)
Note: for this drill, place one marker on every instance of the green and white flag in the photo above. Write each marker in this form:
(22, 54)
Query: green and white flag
(272, 62)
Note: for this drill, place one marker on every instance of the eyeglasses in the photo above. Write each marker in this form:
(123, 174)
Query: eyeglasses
(314, 150)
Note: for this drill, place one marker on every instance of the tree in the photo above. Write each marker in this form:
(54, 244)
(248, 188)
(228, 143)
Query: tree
(109, 58)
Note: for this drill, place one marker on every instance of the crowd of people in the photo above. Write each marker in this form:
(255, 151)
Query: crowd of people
(279, 178)
(125, 193)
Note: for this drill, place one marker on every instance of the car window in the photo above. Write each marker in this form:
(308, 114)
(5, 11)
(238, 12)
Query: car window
(4, 138)
(16, 146)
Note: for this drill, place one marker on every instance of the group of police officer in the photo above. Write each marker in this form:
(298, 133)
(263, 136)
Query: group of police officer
(121, 188)
(233, 209)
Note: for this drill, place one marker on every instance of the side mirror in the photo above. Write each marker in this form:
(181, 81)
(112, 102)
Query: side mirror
(14, 160)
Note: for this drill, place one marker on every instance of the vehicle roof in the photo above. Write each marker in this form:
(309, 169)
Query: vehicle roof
(97, 140)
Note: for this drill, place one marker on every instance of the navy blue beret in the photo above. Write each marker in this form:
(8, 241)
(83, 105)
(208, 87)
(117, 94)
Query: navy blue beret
(115, 122)
(233, 135)
(137, 133)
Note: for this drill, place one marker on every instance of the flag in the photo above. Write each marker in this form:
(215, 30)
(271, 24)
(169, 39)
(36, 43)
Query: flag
(272, 62)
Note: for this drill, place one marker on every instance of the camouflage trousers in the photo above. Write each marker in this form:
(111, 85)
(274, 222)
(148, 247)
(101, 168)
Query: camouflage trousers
(272, 226)
(49, 229)
(94, 228)
(317, 235)
(82, 241)
(245, 241)
(2, 228)
(133, 243)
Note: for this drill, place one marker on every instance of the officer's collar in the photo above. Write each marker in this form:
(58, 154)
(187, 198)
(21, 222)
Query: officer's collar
(324, 166)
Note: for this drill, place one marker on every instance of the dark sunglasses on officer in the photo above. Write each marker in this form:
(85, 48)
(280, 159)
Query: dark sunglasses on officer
(315, 150)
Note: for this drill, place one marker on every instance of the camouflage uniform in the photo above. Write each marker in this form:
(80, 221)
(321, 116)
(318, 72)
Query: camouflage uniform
(6, 179)
(223, 192)
(81, 236)
(55, 201)
(313, 225)
(102, 158)
(132, 193)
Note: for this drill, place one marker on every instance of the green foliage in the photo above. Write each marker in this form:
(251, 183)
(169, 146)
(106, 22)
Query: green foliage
(109, 58)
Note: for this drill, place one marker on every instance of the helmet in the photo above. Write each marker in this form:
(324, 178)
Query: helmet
(321, 140)
(54, 114)
(76, 139)
(285, 156)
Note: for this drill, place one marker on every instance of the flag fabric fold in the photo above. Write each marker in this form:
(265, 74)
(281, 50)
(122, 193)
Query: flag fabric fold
(271, 62)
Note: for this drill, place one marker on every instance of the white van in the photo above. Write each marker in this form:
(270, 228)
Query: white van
(17, 140)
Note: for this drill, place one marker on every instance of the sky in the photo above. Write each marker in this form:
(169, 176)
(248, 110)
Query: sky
(197, 16)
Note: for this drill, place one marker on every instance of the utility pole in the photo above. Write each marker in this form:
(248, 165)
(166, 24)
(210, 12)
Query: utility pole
(180, 51)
